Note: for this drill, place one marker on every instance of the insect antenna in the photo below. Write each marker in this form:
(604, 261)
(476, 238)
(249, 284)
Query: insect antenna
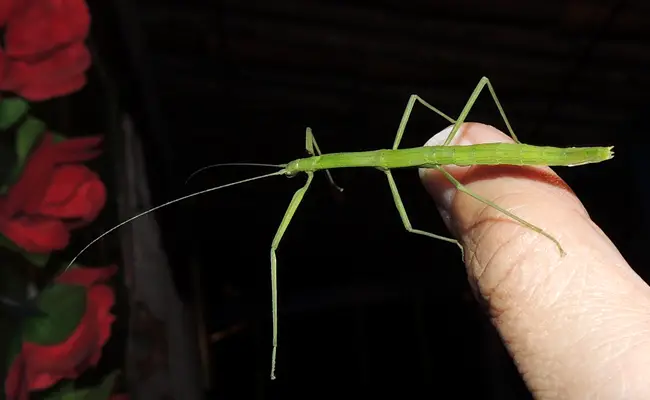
(232, 164)
(212, 189)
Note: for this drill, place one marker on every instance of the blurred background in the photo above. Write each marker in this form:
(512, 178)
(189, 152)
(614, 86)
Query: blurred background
(366, 309)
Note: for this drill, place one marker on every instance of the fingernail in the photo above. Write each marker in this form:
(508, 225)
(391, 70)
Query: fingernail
(439, 188)
(439, 138)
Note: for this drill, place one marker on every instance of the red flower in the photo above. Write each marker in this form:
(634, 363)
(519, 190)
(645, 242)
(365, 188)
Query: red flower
(6, 7)
(45, 55)
(61, 73)
(75, 192)
(53, 195)
(38, 367)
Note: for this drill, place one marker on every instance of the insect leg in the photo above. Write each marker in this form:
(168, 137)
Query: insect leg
(312, 149)
(291, 210)
(407, 115)
(470, 103)
(405, 219)
(487, 202)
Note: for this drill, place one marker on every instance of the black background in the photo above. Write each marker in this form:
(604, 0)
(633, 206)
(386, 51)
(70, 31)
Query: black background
(366, 308)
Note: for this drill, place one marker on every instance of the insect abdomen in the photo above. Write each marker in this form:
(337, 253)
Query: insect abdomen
(515, 154)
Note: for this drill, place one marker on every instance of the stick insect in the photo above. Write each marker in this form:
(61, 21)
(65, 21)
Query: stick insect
(434, 157)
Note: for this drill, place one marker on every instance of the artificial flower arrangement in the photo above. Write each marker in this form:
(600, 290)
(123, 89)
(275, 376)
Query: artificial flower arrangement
(46, 193)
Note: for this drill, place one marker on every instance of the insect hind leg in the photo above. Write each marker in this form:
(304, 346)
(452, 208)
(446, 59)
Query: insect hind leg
(484, 82)
(405, 219)
(470, 103)
(407, 114)
(462, 188)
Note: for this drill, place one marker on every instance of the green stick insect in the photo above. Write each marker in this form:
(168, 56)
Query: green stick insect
(434, 157)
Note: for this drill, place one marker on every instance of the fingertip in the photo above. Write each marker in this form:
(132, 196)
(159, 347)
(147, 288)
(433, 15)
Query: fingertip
(554, 313)
(531, 190)
(440, 189)
(439, 138)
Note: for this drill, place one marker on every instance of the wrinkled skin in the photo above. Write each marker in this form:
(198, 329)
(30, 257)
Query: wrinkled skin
(576, 326)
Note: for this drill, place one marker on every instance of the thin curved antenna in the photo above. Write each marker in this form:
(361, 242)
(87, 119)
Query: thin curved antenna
(212, 189)
(229, 164)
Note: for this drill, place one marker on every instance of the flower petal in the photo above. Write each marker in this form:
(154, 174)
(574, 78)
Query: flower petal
(33, 180)
(6, 7)
(86, 276)
(36, 234)
(40, 26)
(75, 192)
(60, 73)
(30, 189)
(16, 383)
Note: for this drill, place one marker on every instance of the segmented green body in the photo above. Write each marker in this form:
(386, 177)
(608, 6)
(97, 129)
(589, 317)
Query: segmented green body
(479, 154)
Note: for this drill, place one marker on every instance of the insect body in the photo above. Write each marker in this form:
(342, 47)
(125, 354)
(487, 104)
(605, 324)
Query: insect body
(423, 157)
(433, 156)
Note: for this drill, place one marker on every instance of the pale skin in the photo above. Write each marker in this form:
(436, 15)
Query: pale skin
(578, 326)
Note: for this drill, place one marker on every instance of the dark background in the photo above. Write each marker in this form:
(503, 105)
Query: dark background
(366, 308)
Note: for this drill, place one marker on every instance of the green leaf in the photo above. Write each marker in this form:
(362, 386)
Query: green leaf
(67, 392)
(11, 110)
(28, 134)
(65, 306)
(12, 162)
(72, 395)
(103, 391)
(58, 138)
(37, 259)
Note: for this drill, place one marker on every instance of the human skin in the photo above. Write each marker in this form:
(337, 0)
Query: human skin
(578, 326)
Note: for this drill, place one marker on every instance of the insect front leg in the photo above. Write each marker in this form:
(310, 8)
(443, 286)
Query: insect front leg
(312, 149)
(291, 210)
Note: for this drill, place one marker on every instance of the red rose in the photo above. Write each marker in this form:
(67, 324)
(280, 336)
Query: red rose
(75, 192)
(53, 195)
(61, 73)
(6, 6)
(45, 55)
(38, 367)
